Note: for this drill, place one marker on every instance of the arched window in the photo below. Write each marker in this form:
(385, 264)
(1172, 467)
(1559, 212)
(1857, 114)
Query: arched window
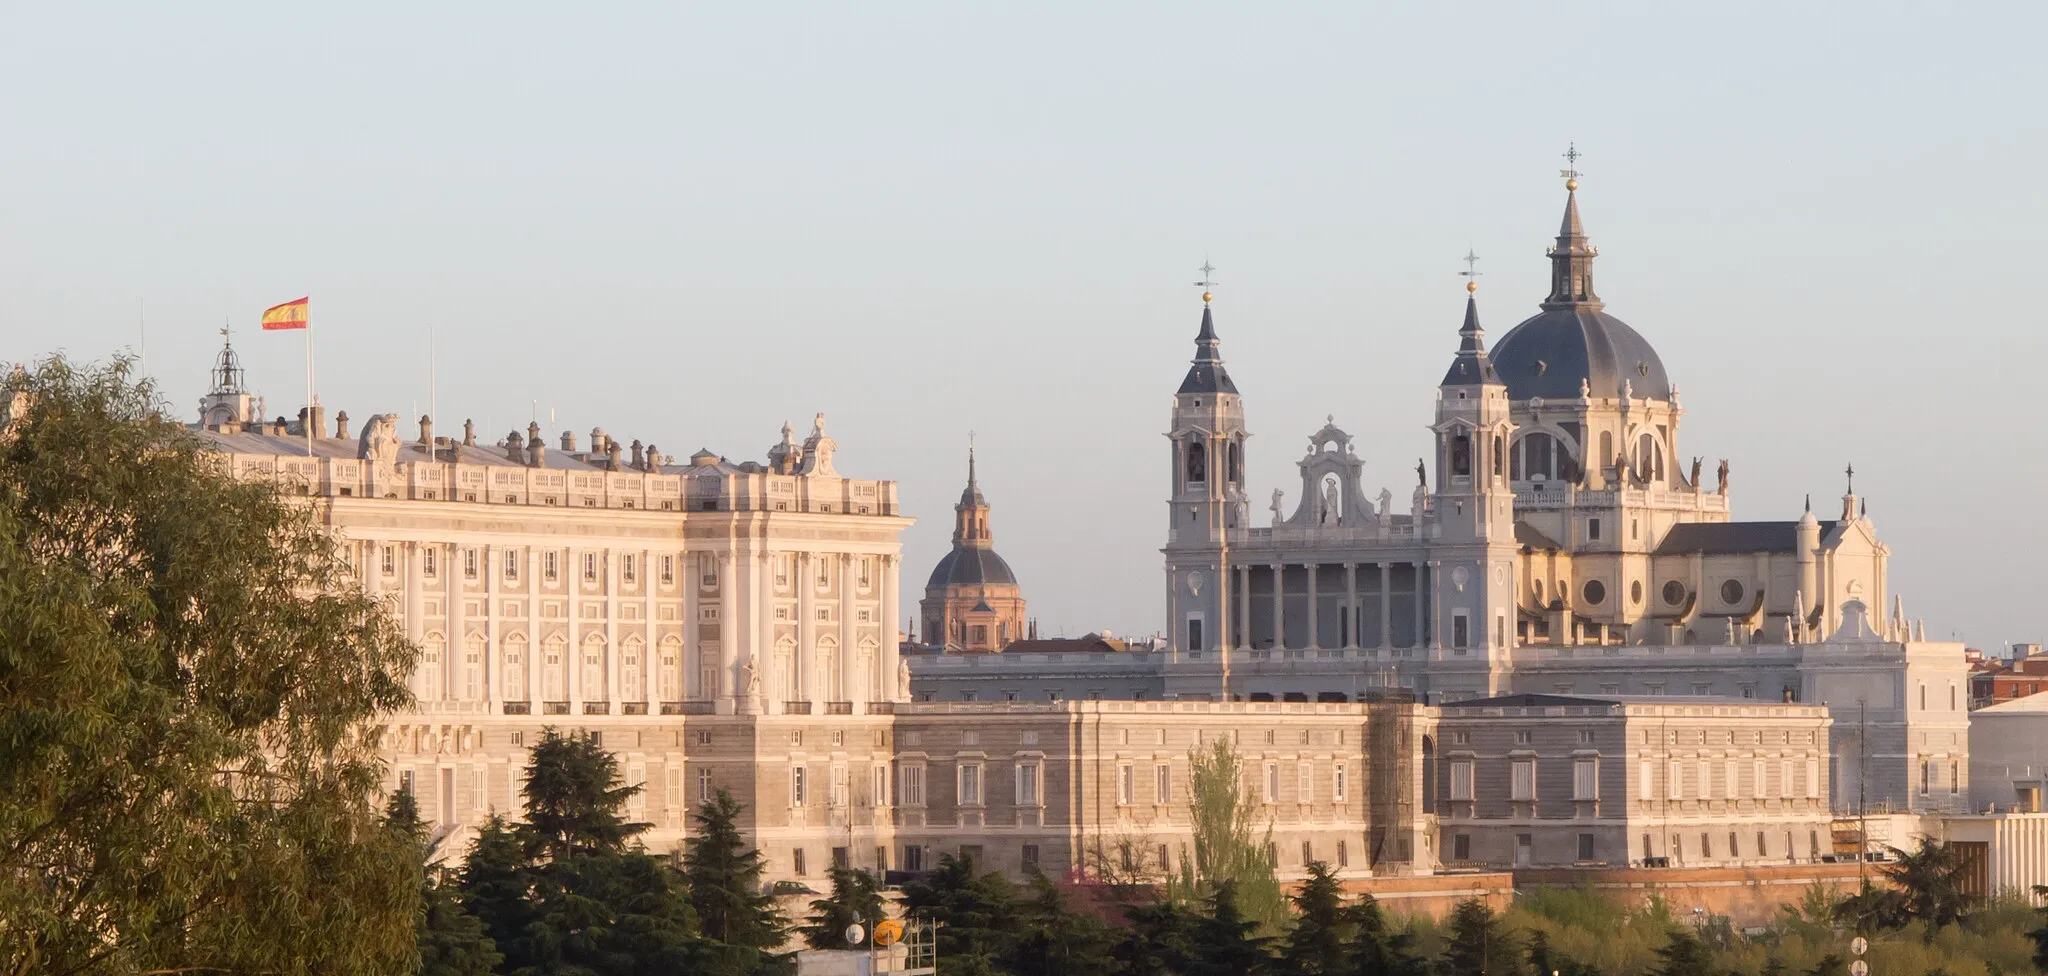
(554, 676)
(593, 668)
(1461, 455)
(1498, 451)
(515, 668)
(1646, 458)
(1198, 461)
(1236, 472)
(629, 670)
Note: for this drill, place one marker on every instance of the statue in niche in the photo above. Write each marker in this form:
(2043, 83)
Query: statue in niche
(1386, 503)
(1330, 511)
(1277, 506)
(1721, 487)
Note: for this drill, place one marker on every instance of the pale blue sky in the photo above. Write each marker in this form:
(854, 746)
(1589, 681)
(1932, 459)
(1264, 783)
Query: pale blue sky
(689, 224)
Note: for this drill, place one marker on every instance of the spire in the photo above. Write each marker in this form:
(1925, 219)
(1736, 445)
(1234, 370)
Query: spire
(1472, 367)
(971, 495)
(227, 367)
(1207, 375)
(1571, 259)
(970, 517)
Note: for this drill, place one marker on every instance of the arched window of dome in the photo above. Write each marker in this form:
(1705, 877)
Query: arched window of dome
(1198, 461)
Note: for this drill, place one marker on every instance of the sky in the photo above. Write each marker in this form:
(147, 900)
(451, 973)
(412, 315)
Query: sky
(688, 223)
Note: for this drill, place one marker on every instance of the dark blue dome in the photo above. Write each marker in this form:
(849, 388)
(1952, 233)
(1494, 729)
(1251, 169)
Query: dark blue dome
(1550, 353)
(972, 567)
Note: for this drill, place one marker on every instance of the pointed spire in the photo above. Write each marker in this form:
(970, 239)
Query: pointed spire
(1207, 374)
(971, 495)
(1571, 259)
(1472, 366)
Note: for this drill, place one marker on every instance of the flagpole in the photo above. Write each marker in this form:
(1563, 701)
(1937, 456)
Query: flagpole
(312, 398)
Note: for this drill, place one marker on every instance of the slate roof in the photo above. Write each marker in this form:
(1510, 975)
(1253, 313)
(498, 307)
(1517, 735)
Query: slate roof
(1550, 352)
(1724, 538)
(972, 566)
(1207, 375)
(1527, 535)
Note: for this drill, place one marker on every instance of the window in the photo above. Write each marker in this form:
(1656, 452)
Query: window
(705, 791)
(473, 670)
(1706, 845)
(1305, 783)
(668, 570)
(1595, 591)
(1674, 780)
(1585, 847)
(390, 560)
(1461, 847)
(1646, 780)
(1272, 783)
(1955, 777)
(878, 794)
(428, 562)
(1125, 783)
(1461, 779)
(798, 785)
(1731, 775)
(518, 739)
(1812, 778)
(1027, 784)
(547, 566)
(590, 567)
(1734, 848)
(1461, 629)
(1338, 783)
(469, 563)
(1786, 779)
(1522, 783)
(1593, 529)
(1162, 784)
(1585, 780)
(910, 786)
(511, 564)
(842, 786)
(1030, 855)
(796, 861)
(913, 858)
(1731, 593)
(1926, 774)
(1308, 853)
(970, 784)
(1343, 855)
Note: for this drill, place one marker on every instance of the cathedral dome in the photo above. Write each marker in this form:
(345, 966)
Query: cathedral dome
(972, 567)
(1553, 351)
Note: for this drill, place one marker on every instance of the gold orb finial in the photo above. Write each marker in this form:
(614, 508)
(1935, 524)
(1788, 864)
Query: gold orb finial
(1471, 287)
(1206, 297)
(1571, 184)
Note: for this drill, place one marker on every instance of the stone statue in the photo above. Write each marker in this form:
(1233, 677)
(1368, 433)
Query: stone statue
(1696, 471)
(903, 679)
(379, 444)
(1721, 486)
(752, 676)
(1421, 475)
(1276, 506)
(1628, 389)
(1330, 512)
(1419, 505)
(1386, 503)
(1585, 388)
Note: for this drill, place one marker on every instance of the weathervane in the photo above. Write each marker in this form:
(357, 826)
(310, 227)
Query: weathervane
(1471, 273)
(1571, 172)
(1206, 283)
(1850, 472)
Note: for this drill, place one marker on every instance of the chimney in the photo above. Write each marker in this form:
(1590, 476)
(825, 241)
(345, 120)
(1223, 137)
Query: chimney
(598, 441)
(568, 442)
(611, 455)
(536, 452)
(654, 458)
(341, 425)
(427, 432)
(319, 419)
(515, 448)
(469, 433)
(639, 456)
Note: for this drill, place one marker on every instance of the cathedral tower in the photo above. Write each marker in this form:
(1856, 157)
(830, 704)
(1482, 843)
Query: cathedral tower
(972, 603)
(1207, 501)
(1473, 561)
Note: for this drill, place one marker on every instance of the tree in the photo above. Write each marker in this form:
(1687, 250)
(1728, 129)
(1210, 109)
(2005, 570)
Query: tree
(976, 914)
(1932, 878)
(451, 941)
(1228, 843)
(724, 874)
(493, 884)
(1052, 937)
(1378, 950)
(1225, 939)
(186, 665)
(856, 898)
(1479, 944)
(1685, 955)
(1319, 943)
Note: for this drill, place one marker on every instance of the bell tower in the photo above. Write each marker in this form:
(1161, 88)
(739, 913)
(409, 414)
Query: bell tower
(228, 402)
(1474, 511)
(1207, 502)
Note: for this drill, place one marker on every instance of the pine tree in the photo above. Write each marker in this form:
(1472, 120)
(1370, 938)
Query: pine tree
(856, 898)
(976, 914)
(1319, 943)
(1225, 942)
(1685, 955)
(1378, 950)
(451, 941)
(1479, 944)
(1540, 961)
(1158, 940)
(1051, 937)
(724, 874)
(493, 884)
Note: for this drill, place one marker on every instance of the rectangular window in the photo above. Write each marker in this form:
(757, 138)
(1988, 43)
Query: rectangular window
(705, 791)
(1674, 780)
(1339, 783)
(1756, 779)
(910, 786)
(1461, 779)
(1162, 784)
(1027, 784)
(842, 786)
(1308, 853)
(511, 564)
(390, 560)
(1812, 778)
(1461, 629)
(1030, 856)
(798, 785)
(427, 561)
(589, 567)
(1787, 779)
(970, 784)
(1343, 855)
(547, 566)
(1593, 529)
(1706, 774)
(1585, 779)
(672, 787)
(1646, 780)
(1271, 792)
(1461, 847)
(1305, 783)
(1585, 847)
(1126, 783)
(469, 563)
(796, 861)
(1523, 780)
(668, 570)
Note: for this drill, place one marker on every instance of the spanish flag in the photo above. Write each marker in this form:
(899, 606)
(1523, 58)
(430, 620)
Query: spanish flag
(290, 315)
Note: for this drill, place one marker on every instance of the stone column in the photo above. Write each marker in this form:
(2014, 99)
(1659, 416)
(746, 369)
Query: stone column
(1314, 639)
(848, 634)
(691, 577)
(1351, 620)
(804, 575)
(729, 659)
(572, 663)
(1279, 609)
(891, 651)
(1244, 605)
(1435, 618)
(1386, 606)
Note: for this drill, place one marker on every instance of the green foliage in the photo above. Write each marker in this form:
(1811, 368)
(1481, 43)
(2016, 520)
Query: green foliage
(1685, 955)
(1231, 834)
(451, 941)
(185, 663)
(1319, 943)
(856, 898)
(724, 873)
(977, 915)
(1053, 937)
(1478, 944)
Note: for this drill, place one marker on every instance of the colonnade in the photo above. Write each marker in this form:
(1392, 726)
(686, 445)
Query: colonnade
(1424, 628)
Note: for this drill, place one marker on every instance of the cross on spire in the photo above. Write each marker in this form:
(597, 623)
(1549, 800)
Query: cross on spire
(1207, 282)
(1571, 171)
(1471, 273)
(1850, 472)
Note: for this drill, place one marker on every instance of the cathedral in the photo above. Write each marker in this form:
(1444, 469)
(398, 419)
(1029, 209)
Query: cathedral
(972, 604)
